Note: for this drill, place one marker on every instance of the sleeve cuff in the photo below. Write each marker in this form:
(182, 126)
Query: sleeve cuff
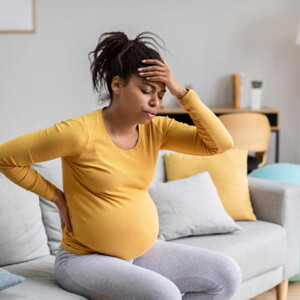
(188, 98)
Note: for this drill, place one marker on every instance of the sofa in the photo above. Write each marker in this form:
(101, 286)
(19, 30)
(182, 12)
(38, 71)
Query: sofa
(267, 250)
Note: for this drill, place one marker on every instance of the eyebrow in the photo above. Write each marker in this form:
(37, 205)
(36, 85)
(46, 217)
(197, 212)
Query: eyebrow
(152, 86)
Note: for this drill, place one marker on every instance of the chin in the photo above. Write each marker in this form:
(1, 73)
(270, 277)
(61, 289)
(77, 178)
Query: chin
(145, 121)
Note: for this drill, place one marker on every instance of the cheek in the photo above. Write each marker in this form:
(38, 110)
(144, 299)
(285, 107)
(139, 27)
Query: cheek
(136, 98)
(140, 96)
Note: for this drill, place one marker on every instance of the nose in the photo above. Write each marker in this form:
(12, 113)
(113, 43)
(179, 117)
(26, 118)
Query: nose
(154, 101)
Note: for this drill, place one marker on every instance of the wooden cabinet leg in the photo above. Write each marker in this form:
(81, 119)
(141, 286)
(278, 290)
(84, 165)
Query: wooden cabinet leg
(281, 290)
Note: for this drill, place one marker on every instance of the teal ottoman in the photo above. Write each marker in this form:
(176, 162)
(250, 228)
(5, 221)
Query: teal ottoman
(286, 172)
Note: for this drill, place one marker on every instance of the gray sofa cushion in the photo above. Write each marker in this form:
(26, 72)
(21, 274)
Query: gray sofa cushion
(39, 282)
(22, 234)
(258, 248)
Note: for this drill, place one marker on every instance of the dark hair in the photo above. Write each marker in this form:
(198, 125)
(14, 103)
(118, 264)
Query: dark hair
(116, 55)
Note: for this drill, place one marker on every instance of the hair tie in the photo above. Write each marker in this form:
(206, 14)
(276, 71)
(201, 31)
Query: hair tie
(128, 45)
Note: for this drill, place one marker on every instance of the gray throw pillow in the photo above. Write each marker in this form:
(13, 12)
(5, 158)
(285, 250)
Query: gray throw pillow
(190, 206)
(51, 170)
(8, 279)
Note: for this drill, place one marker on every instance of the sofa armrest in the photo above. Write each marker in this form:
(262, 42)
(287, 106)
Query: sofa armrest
(279, 202)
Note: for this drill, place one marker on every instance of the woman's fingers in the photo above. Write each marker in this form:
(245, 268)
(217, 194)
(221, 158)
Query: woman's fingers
(66, 219)
(154, 62)
(163, 60)
(153, 73)
(159, 71)
(68, 225)
(156, 78)
(62, 223)
(60, 201)
(152, 68)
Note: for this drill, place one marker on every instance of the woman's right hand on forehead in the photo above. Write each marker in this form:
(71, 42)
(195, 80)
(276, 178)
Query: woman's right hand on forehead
(160, 71)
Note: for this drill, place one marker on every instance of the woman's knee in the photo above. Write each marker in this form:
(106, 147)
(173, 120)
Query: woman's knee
(230, 276)
(223, 282)
(161, 289)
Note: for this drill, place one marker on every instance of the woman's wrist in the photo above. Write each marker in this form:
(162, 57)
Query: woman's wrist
(181, 93)
(58, 197)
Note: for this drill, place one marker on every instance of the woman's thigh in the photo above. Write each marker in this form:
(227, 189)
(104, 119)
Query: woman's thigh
(193, 270)
(104, 277)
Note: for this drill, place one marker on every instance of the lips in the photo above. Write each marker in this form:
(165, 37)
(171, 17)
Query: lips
(150, 114)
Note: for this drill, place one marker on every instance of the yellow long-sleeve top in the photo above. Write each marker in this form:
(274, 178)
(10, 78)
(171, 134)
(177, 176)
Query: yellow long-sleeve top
(110, 209)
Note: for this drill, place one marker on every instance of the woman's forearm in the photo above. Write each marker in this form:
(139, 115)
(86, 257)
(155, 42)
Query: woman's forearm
(210, 129)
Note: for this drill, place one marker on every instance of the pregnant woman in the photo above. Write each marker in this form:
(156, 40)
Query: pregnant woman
(109, 246)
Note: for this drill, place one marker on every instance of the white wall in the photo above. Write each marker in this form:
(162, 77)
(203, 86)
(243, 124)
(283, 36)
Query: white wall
(44, 77)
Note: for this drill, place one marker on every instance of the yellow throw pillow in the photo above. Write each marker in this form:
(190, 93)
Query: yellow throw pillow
(228, 172)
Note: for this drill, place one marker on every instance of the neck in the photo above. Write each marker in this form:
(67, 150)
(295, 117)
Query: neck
(116, 122)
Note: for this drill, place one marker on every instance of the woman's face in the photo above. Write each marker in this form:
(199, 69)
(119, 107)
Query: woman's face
(141, 99)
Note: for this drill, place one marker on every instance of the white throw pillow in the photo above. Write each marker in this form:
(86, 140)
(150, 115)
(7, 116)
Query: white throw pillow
(51, 170)
(190, 206)
(22, 232)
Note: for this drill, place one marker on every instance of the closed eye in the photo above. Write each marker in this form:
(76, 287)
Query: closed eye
(145, 92)
(161, 96)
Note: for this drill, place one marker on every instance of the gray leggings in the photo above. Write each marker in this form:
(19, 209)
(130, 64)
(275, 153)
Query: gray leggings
(164, 272)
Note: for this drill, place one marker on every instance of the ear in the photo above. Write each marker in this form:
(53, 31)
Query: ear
(116, 85)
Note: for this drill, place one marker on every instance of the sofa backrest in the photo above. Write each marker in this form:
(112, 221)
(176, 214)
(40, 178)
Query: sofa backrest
(160, 174)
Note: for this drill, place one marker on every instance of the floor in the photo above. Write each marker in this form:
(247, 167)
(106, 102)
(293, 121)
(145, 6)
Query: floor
(293, 293)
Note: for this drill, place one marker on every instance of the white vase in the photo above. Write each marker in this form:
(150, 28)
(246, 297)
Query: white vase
(256, 98)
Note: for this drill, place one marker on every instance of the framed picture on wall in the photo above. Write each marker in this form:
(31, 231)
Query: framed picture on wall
(17, 16)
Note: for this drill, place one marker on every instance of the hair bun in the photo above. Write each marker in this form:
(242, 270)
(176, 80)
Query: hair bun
(116, 55)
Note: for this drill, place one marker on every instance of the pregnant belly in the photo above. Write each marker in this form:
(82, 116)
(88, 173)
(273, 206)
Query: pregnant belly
(125, 231)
